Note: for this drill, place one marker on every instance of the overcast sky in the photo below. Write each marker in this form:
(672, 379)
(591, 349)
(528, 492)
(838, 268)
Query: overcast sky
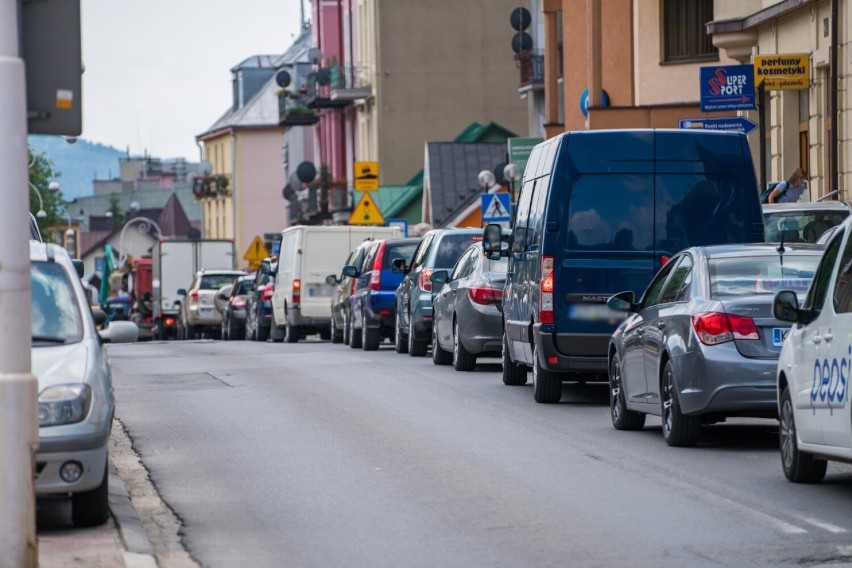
(158, 71)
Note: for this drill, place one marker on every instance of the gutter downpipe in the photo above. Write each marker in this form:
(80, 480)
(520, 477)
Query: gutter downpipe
(832, 90)
(234, 189)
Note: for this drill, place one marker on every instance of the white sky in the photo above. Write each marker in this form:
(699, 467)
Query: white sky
(158, 71)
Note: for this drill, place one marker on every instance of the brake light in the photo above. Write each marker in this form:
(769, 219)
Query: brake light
(266, 292)
(297, 291)
(170, 321)
(545, 314)
(424, 279)
(484, 295)
(148, 319)
(238, 302)
(376, 276)
(714, 328)
(664, 260)
(193, 295)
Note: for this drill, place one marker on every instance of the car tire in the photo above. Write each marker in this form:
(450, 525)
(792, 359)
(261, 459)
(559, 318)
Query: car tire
(291, 333)
(336, 334)
(547, 385)
(440, 356)
(400, 341)
(355, 337)
(514, 374)
(325, 334)
(347, 331)
(370, 338)
(798, 466)
(622, 417)
(276, 334)
(224, 330)
(463, 360)
(189, 332)
(262, 332)
(678, 429)
(416, 347)
(91, 508)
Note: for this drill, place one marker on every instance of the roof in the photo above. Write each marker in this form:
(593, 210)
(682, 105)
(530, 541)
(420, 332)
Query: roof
(256, 62)
(491, 132)
(451, 176)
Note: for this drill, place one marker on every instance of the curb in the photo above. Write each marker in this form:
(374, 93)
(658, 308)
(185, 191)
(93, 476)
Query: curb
(138, 553)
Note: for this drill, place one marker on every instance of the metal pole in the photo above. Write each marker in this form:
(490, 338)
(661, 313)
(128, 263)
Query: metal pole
(18, 386)
(761, 103)
(833, 143)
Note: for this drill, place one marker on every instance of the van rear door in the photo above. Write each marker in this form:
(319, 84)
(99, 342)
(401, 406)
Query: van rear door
(323, 254)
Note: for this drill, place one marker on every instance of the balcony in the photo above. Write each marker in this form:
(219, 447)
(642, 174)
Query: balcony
(293, 111)
(531, 65)
(318, 90)
(214, 185)
(349, 83)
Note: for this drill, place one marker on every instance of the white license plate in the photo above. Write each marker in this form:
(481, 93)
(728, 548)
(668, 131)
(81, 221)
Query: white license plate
(320, 291)
(779, 334)
(594, 312)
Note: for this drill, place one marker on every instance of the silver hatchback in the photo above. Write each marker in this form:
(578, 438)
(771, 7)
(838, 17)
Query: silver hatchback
(702, 343)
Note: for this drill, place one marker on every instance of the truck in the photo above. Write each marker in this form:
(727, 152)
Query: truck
(174, 264)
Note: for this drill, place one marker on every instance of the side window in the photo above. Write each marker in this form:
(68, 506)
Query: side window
(819, 287)
(536, 220)
(368, 258)
(462, 267)
(843, 283)
(655, 288)
(675, 289)
(531, 168)
(519, 235)
(422, 251)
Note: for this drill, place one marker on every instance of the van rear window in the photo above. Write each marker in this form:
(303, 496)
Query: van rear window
(611, 212)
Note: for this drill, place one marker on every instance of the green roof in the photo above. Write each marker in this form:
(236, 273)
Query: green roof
(393, 199)
(491, 132)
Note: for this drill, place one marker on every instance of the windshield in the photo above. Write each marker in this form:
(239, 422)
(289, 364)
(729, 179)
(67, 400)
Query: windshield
(800, 226)
(55, 311)
(215, 281)
(745, 276)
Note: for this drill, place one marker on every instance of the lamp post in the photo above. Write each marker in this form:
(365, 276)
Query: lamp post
(145, 225)
(486, 179)
(510, 172)
(41, 214)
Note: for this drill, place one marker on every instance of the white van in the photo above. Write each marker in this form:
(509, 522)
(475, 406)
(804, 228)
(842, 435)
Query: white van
(301, 303)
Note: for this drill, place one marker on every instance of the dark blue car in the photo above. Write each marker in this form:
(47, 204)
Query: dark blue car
(372, 304)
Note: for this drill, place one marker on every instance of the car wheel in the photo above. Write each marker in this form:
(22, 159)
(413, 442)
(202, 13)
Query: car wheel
(622, 418)
(91, 508)
(291, 332)
(678, 429)
(355, 337)
(439, 355)
(799, 467)
(416, 347)
(400, 341)
(223, 330)
(276, 334)
(347, 331)
(370, 338)
(547, 385)
(325, 334)
(336, 334)
(189, 332)
(262, 331)
(514, 374)
(463, 360)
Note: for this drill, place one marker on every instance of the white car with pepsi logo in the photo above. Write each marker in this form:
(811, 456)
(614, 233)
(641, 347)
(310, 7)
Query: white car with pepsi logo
(815, 367)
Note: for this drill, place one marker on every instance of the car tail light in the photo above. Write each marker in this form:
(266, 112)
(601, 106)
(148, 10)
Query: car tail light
(424, 279)
(664, 260)
(266, 292)
(297, 292)
(545, 314)
(170, 321)
(376, 276)
(238, 302)
(484, 295)
(713, 328)
(193, 295)
(149, 319)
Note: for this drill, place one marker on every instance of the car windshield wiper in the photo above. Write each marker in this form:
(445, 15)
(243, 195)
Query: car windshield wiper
(48, 339)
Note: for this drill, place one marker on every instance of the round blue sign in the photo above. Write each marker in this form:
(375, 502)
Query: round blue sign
(584, 101)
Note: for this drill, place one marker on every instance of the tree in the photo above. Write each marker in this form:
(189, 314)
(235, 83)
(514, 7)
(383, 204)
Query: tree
(51, 202)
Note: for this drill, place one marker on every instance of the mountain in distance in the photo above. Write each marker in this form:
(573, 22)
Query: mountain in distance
(77, 165)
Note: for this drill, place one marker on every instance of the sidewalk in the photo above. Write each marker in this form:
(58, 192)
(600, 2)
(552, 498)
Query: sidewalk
(121, 542)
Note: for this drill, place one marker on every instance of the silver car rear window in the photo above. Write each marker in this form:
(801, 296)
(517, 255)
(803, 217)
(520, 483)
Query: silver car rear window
(746, 276)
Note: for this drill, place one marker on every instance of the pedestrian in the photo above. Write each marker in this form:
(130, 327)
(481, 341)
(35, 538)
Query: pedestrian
(790, 190)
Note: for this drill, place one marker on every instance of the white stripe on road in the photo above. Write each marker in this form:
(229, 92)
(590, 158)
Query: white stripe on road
(822, 525)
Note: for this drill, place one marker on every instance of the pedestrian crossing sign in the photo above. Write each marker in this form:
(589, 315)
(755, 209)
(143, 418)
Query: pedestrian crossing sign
(495, 207)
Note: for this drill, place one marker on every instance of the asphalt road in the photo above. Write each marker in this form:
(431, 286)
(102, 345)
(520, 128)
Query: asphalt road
(316, 454)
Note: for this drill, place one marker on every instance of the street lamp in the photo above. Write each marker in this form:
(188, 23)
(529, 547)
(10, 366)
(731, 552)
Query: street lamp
(41, 212)
(486, 179)
(510, 172)
(145, 225)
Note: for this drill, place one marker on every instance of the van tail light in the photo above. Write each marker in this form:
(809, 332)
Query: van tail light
(714, 328)
(545, 314)
(484, 295)
(266, 293)
(297, 292)
(424, 279)
(376, 276)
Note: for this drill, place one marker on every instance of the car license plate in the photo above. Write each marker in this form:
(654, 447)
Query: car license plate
(320, 291)
(779, 334)
(594, 312)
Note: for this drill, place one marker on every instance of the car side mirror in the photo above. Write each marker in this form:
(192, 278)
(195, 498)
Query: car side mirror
(398, 266)
(99, 316)
(332, 280)
(492, 241)
(623, 302)
(181, 291)
(120, 332)
(785, 307)
(439, 278)
(349, 271)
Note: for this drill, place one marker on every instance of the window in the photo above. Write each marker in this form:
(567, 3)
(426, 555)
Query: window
(684, 34)
(519, 235)
(464, 266)
(652, 294)
(420, 255)
(452, 247)
(819, 288)
(753, 275)
(675, 290)
(55, 312)
(843, 283)
(405, 250)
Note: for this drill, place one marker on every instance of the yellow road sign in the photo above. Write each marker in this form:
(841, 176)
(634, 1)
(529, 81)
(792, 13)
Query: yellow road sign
(366, 212)
(256, 253)
(366, 176)
(782, 71)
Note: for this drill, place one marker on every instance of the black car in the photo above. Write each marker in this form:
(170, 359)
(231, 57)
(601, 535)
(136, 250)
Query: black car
(234, 308)
(259, 301)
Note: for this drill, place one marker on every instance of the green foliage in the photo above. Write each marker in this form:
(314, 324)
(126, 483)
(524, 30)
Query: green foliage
(52, 202)
(115, 210)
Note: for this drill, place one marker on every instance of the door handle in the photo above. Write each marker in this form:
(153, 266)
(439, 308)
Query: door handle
(828, 337)
(817, 339)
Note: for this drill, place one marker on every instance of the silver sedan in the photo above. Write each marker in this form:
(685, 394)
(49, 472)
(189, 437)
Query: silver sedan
(467, 310)
(702, 343)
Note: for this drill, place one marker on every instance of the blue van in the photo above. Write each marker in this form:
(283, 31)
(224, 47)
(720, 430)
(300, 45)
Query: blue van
(600, 212)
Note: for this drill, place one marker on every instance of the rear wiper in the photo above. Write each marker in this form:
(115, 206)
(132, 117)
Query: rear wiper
(48, 339)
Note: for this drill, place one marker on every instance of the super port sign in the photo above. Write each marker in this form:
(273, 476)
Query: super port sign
(726, 88)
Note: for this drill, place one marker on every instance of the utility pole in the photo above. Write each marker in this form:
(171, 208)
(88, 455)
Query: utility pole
(18, 386)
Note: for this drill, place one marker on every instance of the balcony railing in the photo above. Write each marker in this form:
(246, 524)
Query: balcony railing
(531, 65)
(214, 185)
(349, 83)
(293, 111)
(318, 90)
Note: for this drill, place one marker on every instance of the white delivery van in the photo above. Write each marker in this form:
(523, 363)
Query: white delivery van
(301, 303)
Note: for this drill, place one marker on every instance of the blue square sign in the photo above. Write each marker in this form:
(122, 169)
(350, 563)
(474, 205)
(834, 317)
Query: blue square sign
(726, 87)
(496, 207)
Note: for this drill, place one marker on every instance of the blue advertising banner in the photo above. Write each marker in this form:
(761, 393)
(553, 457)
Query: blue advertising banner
(726, 87)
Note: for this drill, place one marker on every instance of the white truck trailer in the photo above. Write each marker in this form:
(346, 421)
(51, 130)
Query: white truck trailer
(174, 264)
